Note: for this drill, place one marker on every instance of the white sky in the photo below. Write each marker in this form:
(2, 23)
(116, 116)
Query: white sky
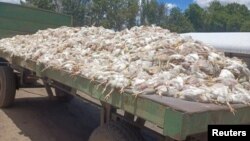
(170, 6)
(205, 3)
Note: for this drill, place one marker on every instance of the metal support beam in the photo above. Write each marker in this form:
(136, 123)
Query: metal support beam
(66, 89)
(48, 88)
(106, 113)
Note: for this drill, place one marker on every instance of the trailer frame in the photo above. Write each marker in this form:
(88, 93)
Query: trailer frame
(174, 122)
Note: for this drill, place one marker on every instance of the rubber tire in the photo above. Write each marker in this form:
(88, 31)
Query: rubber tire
(115, 131)
(197, 137)
(134, 131)
(63, 96)
(7, 86)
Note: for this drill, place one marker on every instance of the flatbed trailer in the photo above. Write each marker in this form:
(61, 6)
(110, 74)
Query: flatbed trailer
(177, 118)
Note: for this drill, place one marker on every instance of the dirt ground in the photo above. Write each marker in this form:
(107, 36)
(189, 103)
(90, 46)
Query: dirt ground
(34, 117)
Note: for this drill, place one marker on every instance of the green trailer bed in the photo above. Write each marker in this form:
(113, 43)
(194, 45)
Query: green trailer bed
(16, 19)
(177, 118)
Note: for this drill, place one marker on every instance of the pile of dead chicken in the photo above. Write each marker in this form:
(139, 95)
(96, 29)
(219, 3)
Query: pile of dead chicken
(144, 60)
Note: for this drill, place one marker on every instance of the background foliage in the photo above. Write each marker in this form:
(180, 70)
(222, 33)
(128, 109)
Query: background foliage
(120, 14)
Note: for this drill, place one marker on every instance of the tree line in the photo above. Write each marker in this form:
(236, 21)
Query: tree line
(120, 14)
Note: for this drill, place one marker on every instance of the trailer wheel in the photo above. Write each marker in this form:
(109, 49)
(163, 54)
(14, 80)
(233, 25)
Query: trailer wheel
(7, 86)
(115, 131)
(197, 137)
(62, 95)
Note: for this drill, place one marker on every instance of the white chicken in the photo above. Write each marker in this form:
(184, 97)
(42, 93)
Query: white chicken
(146, 60)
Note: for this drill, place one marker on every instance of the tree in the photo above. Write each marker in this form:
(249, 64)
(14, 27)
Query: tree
(98, 12)
(238, 9)
(245, 27)
(153, 13)
(228, 18)
(196, 16)
(115, 14)
(216, 18)
(133, 9)
(236, 16)
(44, 4)
(119, 14)
(177, 22)
(234, 23)
(76, 8)
(150, 12)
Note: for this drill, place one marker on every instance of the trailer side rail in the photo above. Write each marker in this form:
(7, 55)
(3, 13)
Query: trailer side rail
(175, 123)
